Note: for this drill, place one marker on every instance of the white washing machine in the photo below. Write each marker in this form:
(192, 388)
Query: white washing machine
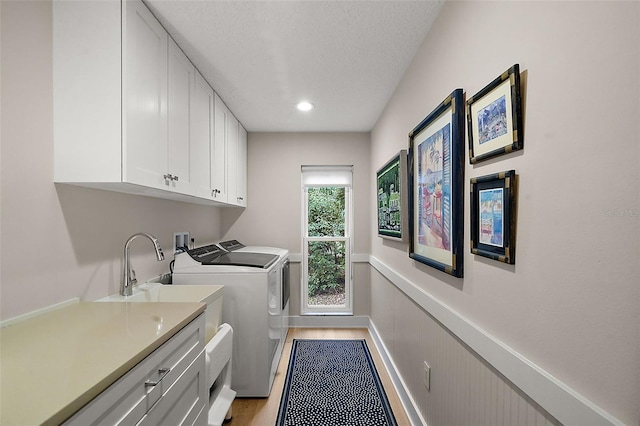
(252, 306)
(285, 276)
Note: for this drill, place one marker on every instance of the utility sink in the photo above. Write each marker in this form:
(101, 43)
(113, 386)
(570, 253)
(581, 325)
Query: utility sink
(156, 292)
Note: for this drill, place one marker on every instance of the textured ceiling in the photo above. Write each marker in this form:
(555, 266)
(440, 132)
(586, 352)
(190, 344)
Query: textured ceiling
(262, 57)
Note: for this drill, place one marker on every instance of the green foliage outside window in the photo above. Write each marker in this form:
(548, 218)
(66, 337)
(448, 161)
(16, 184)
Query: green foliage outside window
(326, 258)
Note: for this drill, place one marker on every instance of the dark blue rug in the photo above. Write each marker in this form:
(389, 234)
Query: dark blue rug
(334, 383)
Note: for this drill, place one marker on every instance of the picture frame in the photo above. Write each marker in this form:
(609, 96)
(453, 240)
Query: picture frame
(493, 216)
(436, 187)
(391, 184)
(494, 117)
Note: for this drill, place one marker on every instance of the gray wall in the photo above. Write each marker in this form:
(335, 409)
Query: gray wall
(273, 215)
(571, 303)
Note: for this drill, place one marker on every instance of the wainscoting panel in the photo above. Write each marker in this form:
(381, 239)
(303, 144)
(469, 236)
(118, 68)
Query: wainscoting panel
(464, 388)
(500, 384)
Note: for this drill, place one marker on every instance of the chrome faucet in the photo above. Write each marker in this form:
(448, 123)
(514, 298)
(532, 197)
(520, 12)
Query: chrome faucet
(129, 275)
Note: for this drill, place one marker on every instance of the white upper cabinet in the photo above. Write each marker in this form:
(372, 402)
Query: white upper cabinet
(219, 175)
(132, 113)
(202, 126)
(241, 167)
(232, 159)
(144, 147)
(181, 88)
(228, 180)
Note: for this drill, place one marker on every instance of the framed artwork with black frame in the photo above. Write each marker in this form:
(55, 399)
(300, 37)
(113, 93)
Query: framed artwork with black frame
(436, 187)
(493, 222)
(494, 117)
(391, 180)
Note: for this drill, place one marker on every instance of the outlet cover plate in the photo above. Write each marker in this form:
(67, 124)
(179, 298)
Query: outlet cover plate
(180, 239)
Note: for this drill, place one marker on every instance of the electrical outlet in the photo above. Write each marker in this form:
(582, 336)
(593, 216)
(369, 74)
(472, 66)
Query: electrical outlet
(427, 376)
(180, 240)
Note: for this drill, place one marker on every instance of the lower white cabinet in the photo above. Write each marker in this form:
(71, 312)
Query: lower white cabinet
(167, 387)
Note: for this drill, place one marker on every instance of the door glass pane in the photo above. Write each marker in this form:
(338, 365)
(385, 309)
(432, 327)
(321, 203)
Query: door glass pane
(326, 212)
(326, 284)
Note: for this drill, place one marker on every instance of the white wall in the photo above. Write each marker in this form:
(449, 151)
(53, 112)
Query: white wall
(62, 242)
(274, 216)
(571, 304)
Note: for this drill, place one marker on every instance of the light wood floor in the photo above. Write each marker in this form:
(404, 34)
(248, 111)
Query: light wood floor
(263, 411)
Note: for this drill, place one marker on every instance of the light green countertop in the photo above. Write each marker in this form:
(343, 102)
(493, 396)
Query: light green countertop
(53, 364)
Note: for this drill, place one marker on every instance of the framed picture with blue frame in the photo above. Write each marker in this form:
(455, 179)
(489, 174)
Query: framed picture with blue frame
(392, 198)
(494, 117)
(493, 216)
(436, 187)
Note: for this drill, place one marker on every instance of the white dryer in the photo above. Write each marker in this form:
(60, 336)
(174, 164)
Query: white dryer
(252, 306)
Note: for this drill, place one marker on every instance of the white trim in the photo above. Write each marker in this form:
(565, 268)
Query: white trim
(347, 171)
(355, 258)
(37, 312)
(558, 399)
(410, 406)
(328, 321)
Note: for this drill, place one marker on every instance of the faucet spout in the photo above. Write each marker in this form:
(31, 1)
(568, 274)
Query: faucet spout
(128, 275)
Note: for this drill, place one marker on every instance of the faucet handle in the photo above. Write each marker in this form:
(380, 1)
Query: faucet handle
(133, 279)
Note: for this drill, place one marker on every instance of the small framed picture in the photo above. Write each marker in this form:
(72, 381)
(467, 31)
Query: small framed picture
(436, 187)
(493, 220)
(494, 117)
(392, 198)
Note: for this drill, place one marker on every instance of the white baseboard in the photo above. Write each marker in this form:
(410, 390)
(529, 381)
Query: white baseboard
(328, 321)
(410, 406)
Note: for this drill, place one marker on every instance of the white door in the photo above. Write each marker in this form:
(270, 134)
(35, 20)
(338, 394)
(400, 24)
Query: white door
(241, 167)
(145, 96)
(202, 137)
(181, 85)
(232, 159)
(219, 182)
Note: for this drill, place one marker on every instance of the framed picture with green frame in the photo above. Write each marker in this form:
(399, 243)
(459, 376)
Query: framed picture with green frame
(392, 198)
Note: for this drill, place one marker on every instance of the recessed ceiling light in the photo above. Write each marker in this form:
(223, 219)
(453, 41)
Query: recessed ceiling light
(305, 106)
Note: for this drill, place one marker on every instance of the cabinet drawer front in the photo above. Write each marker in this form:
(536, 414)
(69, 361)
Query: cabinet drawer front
(178, 356)
(128, 399)
(184, 400)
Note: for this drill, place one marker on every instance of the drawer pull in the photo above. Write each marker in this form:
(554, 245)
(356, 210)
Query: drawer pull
(163, 372)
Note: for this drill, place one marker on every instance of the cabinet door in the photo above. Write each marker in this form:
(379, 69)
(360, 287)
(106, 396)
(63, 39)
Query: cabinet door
(241, 167)
(219, 182)
(145, 97)
(232, 159)
(202, 137)
(181, 86)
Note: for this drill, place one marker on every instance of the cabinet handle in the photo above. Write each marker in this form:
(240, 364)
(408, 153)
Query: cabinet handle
(163, 372)
(240, 198)
(214, 192)
(175, 178)
(168, 177)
